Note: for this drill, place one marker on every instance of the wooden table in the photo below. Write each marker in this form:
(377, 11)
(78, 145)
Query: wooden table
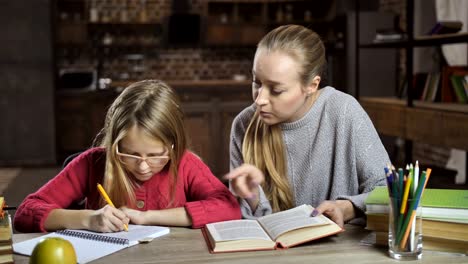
(185, 245)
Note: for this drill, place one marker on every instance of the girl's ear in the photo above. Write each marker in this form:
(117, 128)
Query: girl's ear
(313, 85)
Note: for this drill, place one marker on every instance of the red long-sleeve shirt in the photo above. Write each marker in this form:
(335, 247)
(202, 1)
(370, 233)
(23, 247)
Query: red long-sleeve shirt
(204, 197)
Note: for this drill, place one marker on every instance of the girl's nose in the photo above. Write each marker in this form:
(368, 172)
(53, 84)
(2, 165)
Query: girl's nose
(143, 165)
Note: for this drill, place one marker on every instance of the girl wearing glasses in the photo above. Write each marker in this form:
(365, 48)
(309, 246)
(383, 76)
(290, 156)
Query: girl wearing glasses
(145, 167)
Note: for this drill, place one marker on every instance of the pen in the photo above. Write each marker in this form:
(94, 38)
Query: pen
(108, 200)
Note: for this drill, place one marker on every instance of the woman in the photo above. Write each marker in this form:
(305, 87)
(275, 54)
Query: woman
(298, 144)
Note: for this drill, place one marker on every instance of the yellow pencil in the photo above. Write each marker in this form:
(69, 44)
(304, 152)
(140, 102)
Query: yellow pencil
(405, 196)
(108, 200)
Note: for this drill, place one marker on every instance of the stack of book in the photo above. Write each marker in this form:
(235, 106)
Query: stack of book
(444, 218)
(6, 242)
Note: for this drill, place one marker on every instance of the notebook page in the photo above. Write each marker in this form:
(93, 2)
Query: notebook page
(86, 250)
(135, 233)
(89, 250)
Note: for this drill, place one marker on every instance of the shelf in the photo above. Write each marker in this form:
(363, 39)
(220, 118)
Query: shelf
(420, 41)
(196, 84)
(230, 34)
(254, 1)
(239, 1)
(441, 39)
(126, 24)
(432, 123)
(449, 107)
(315, 23)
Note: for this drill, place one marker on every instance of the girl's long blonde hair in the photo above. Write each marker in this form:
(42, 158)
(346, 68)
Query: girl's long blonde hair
(154, 107)
(263, 144)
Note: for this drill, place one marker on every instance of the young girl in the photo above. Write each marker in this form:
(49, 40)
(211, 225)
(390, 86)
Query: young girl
(145, 167)
(298, 144)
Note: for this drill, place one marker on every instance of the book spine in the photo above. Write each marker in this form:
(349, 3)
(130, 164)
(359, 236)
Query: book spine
(459, 89)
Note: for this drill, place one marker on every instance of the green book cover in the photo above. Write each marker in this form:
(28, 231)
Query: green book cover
(378, 196)
(457, 83)
(440, 198)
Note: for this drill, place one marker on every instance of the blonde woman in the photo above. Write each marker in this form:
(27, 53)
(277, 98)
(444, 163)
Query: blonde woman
(298, 143)
(144, 165)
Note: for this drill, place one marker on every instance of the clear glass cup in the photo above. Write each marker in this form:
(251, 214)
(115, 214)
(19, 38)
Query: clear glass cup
(405, 230)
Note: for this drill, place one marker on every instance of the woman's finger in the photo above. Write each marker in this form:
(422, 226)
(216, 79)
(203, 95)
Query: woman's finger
(235, 173)
(240, 186)
(254, 174)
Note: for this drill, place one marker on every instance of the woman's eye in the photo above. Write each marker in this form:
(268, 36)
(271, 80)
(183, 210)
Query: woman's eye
(276, 92)
(256, 85)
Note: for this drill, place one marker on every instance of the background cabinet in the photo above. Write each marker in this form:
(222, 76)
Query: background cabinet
(209, 109)
(245, 22)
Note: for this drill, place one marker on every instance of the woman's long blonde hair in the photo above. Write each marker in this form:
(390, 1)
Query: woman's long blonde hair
(263, 145)
(154, 107)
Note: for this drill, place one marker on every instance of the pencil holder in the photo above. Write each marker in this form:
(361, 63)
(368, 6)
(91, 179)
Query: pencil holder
(405, 229)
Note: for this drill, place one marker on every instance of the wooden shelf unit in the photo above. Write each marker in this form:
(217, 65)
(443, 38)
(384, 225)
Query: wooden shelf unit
(440, 124)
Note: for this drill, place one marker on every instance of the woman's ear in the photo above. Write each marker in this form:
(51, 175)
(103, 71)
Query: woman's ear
(313, 85)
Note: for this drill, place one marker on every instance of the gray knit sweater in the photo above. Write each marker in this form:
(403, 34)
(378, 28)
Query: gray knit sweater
(333, 152)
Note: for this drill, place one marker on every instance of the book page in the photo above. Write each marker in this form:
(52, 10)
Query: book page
(298, 217)
(237, 230)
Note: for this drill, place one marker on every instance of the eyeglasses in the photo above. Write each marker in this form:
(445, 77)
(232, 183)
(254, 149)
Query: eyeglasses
(153, 161)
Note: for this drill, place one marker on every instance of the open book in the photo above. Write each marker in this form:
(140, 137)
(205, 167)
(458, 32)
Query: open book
(91, 245)
(280, 230)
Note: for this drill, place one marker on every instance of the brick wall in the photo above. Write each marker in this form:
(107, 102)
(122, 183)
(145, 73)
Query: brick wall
(124, 53)
(182, 64)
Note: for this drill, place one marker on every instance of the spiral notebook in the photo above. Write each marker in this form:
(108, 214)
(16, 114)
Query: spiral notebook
(91, 245)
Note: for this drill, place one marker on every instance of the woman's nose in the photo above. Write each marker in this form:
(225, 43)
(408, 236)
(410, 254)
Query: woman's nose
(262, 97)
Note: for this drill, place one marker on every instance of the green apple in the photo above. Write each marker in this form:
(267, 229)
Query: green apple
(53, 250)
